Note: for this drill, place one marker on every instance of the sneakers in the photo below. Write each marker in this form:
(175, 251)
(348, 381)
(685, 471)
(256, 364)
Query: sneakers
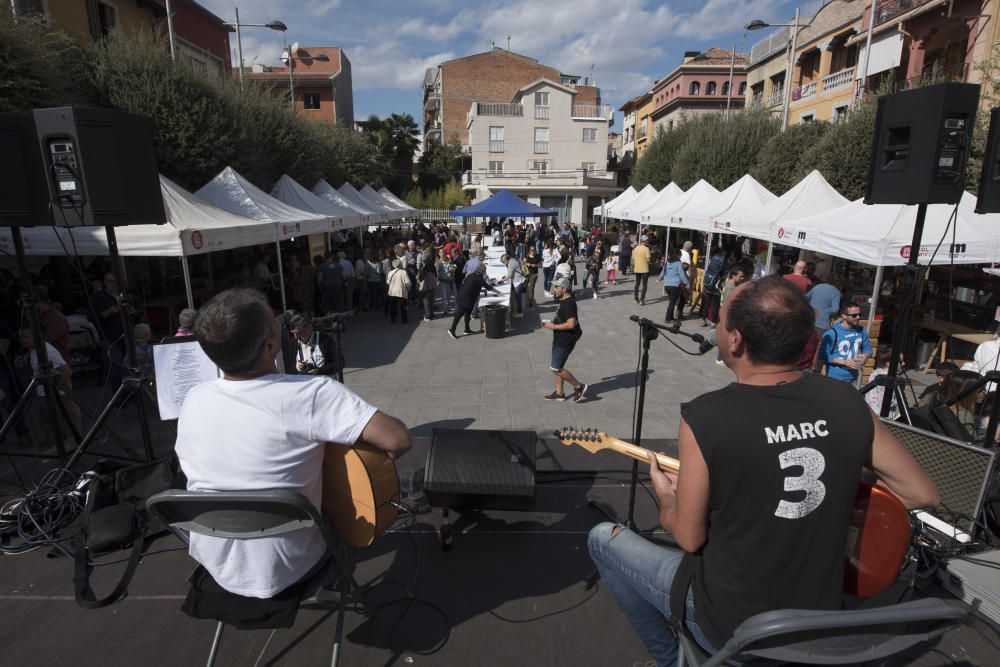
(469, 332)
(595, 295)
(427, 319)
(720, 362)
(555, 397)
(642, 302)
(580, 391)
(452, 334)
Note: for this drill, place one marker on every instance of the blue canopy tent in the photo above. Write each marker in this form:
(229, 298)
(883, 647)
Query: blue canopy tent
(503, 204)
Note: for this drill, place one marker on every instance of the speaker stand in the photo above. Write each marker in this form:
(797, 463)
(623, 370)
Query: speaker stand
(132, 387)
(909, 289)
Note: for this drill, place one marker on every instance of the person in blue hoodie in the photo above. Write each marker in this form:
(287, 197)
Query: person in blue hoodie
(673, 276)
(845, 347)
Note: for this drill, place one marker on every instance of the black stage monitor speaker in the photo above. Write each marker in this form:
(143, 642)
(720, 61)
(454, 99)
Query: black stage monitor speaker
(921, 145)
(100, 167)
(482, 469)
(988, 200)
(24, 198)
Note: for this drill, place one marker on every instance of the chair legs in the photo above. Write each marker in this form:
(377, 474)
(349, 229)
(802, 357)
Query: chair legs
(215, 644)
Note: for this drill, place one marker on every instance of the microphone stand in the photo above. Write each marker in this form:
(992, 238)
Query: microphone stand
(649, 332)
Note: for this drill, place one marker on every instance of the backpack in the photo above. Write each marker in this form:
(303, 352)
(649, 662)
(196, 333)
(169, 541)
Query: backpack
(712, 281)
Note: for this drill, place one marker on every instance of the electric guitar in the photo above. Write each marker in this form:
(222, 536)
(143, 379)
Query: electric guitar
(358, 484)
(877, 539)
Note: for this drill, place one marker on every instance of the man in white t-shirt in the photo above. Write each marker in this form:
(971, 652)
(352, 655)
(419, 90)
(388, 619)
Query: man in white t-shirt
(254, 429)
(986, 358)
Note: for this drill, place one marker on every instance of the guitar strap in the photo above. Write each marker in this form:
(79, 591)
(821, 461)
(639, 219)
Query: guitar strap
(678, 594)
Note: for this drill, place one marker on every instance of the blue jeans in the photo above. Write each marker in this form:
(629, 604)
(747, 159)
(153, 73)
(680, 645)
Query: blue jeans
(548, 272)
(638, 575)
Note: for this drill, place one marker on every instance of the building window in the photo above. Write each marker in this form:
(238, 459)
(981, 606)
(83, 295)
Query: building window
(725, 88)
(840, 113)
(496, 138)
(588, 167)
(541, 166)
(542, 106)
(496, 167)
(541, 140)
(24, 7)
(743, 89)
(710, 88)
(590, 135)
(694, 88)
(107, 18)
(310, 100)
(670, 124)
(807, 117)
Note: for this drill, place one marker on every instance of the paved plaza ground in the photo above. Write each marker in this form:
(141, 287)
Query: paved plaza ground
(516, 589)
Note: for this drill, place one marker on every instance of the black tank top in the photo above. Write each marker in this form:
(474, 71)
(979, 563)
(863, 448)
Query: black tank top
(784, 464)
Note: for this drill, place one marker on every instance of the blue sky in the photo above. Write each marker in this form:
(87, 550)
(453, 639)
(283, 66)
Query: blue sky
(627, 44)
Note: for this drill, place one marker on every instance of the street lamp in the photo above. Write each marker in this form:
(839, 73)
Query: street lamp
(757, 24)
(273, 25)
(702, 57)
(322, 58)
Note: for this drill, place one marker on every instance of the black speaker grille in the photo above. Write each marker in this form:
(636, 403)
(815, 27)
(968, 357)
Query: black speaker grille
(494, 469)
(960, 471)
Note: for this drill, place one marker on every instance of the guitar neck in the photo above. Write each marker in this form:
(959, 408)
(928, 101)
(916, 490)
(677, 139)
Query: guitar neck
(667, 464)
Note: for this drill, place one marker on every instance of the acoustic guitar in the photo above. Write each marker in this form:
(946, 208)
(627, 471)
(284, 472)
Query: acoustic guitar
(877, 539)
(358, 484)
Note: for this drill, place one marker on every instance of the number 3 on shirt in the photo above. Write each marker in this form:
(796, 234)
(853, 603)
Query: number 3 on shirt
(813, 464)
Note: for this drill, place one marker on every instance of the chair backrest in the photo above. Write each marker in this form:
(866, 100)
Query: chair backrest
(241, 515)
(840, 637)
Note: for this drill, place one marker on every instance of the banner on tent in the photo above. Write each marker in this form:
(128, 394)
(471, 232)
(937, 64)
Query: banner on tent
(793, 236)
(721, 225)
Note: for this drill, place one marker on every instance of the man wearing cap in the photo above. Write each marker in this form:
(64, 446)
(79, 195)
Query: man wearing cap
(640, 264)
(315, 353)
(566, 332)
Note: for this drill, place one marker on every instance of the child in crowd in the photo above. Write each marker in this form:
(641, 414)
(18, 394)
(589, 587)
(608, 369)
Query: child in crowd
(611, 268)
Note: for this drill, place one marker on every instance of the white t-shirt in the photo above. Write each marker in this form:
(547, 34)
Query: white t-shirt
(685, 257)
(264, 434)
(54, 358)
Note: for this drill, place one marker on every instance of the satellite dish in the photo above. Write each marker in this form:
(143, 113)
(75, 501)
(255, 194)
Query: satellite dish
(295, 48)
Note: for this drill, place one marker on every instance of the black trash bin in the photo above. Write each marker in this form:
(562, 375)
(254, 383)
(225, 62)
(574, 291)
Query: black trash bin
(495, 320)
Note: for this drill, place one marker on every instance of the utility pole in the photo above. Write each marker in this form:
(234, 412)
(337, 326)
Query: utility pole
(239, 47)
(863, 79)
(170, 29)
(788, 76)
(729, 89)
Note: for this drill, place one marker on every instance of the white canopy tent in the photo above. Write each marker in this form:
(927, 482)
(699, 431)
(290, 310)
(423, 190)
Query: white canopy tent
(660, 211)
(620, 199)
(324, 190)
(882, 235)
(375, 198)
(194, 227)
(393, 199)
(377, 213)
(230, 191)
(289, 191)
(739, 198)
(633, 209)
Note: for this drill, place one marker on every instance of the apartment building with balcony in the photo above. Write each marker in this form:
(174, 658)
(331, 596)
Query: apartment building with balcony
(644, 108)
(700, 85)
(201, 38)
(628, 111)
(766, 70)
(544, 144)
(452, 88)
(324, 90)
(915, 41)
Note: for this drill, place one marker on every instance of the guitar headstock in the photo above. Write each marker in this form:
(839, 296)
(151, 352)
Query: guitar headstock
(590, 439)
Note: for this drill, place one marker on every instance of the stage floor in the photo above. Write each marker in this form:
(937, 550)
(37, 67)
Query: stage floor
(516, 589)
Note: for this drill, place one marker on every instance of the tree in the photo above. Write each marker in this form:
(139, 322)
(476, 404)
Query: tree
(440, 164)
(721, 150)
(843, 153)
(779, 164)
(654, 166)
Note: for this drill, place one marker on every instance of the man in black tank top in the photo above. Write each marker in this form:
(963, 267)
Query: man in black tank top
(769, 469)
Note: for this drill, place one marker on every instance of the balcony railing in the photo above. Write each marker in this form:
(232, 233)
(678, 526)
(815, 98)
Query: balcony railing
(604, 112)
(803, 92)
(496, 145)
(841, 79)
(541, 113)
(776, 99)
(768, 46)
(546, 176)
(541, 147)
(498, 109)
(889, 9)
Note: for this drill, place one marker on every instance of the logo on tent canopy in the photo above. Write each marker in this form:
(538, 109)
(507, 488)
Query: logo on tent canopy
(905, 251)
(196, 240)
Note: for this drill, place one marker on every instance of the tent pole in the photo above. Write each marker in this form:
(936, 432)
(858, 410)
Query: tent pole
(186, 269)
(708, 251)
(875, 293)
(281, 270)
(770, 254)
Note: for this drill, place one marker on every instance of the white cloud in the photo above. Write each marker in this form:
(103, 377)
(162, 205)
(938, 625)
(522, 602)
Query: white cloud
(419, 28)
(384, 65)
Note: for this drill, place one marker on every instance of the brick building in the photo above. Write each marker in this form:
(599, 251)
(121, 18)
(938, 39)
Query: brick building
(324, 91)
(495, 76)
(699, 85)
(201, 38)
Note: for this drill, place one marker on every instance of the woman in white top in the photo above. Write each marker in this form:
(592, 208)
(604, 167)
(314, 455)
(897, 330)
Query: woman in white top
(549, 260)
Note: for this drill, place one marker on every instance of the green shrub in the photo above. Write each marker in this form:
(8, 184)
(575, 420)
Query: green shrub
(778, 166)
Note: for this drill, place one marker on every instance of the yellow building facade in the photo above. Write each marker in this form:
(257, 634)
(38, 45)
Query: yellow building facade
(644, 123)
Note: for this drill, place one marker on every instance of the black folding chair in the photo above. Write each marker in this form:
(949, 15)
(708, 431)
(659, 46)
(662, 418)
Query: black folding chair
(830, 637)
(247, 515)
